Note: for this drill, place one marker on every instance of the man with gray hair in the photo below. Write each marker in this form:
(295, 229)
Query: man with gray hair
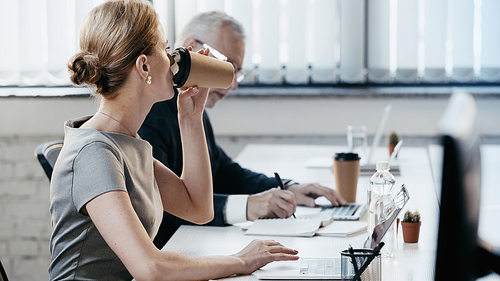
(239, 194)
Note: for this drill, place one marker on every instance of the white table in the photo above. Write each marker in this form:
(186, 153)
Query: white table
(412, 261)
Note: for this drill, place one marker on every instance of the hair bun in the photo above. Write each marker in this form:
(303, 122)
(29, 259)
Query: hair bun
(85, 69)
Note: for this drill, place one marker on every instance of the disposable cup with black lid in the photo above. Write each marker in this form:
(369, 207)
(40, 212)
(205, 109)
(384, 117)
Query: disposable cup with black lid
(193, 69)
(346, 171)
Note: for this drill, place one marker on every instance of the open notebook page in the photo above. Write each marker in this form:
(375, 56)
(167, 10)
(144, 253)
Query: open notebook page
(284, 227)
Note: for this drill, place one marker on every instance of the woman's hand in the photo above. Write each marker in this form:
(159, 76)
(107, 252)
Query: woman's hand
(191, 101)
(261, 252)
(189, 196)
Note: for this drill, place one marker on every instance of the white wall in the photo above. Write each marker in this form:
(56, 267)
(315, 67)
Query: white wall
(330, 116)
(41, 116)
(238, 116)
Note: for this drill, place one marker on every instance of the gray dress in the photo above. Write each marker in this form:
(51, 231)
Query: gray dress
(92, 163)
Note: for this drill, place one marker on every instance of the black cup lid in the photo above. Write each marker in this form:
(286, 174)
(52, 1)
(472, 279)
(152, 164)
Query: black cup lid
(347, 156)
(184, 63)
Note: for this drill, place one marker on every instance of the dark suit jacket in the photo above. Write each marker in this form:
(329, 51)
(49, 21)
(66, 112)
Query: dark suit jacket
(161, 130)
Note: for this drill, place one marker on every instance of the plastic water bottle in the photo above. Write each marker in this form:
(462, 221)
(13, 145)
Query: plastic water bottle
(379, 198)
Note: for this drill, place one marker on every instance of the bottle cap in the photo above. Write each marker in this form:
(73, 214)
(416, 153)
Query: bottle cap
(382, 165)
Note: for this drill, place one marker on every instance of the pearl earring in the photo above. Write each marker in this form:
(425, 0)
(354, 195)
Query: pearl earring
(148, 80)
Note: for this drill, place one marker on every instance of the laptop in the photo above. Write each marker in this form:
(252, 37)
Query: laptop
(349, 212)
(314, 268)
(302, 269)
(367, 165)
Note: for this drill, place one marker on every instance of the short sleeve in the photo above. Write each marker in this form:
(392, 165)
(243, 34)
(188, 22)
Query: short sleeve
(97, 169)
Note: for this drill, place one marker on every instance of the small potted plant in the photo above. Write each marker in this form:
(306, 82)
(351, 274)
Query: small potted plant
(411, 226)
(393, 139)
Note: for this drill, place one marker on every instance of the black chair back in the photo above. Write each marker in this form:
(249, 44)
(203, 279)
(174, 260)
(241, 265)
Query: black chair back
(3, 274)
(47, 154)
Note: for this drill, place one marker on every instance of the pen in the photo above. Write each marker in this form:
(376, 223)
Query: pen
(281, 185)
(373, 254)
(353, 259)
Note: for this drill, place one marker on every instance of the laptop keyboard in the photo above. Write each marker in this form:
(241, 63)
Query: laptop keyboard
(320, 266)
(344, 211)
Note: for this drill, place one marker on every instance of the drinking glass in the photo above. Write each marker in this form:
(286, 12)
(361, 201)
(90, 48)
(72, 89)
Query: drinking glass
(357, 140)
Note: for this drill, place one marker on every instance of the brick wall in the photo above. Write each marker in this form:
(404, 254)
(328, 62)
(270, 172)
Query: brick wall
(24, 209)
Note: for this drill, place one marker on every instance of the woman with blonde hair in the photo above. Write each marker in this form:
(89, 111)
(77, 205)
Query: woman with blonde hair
(108, 193)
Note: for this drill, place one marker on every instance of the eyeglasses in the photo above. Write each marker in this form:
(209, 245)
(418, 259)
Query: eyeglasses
(240, 73)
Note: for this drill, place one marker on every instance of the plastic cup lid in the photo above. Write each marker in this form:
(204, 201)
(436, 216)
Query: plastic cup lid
(348, 156)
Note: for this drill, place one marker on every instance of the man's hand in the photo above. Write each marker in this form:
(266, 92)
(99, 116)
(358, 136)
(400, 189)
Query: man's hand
(272, 203)
(306, 193)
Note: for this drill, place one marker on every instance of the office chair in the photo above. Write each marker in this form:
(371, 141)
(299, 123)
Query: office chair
(47, 154)
(3, 274)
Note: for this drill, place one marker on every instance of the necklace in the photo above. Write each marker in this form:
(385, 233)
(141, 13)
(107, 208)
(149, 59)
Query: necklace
(120, 123)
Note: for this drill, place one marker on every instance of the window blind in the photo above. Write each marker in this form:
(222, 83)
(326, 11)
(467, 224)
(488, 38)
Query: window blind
(489, 40)
(407, 42)
(298, 42)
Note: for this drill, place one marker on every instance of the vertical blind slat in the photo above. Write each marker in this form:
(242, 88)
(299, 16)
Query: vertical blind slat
(436, 17)
(242, 10)
(214, 5)
(378, 41)
(490, 43)
(407, 41)
(462, 38)
(184, 11)
(269, 43)
(352, 56)
(10, 31)
(296, 15)
(164, 10)
(33, 41)
(59, 44)
(326, 30)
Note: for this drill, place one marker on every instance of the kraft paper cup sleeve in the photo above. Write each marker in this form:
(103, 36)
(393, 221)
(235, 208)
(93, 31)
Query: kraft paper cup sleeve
(346, 172)
(209, 72)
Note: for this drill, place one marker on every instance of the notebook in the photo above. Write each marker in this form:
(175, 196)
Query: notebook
(334, 227)
(332, 265)
(305, 227)
(311, 221)
(342, 229)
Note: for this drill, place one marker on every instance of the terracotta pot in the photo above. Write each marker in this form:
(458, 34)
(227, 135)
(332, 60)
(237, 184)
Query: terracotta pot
(411, 231)
(391, 147)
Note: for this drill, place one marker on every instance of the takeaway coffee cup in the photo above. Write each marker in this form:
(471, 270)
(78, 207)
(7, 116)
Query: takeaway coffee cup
(190, 69)
(346, 171)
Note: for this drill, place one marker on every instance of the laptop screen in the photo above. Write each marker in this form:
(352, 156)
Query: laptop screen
(393, 210)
